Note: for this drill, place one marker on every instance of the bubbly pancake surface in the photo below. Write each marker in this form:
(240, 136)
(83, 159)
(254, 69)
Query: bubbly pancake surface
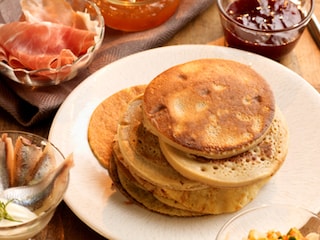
(213, 200)
(148, 137)
(142, 154)
(209, 107)
(260, 162)
(139, 155)
(130, 188)
(182, 203)
(104, 122)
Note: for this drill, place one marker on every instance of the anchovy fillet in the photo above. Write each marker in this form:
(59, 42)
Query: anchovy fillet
(33, 196)
(4, 176)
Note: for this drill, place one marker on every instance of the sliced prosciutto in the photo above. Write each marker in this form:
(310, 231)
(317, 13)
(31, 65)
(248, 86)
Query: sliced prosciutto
(43, 45)
(49, 34)
(55, 11)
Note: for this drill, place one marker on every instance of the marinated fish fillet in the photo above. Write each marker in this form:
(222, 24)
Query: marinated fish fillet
(44, 165)
(10, 162)
(26, 156)
(4, 176)
(34, 196)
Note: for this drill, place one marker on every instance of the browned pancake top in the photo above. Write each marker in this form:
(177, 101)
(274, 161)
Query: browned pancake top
(260, 162)
(210, 107)
(142, 154)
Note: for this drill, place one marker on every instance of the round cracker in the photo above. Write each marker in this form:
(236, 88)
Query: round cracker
(104, 121)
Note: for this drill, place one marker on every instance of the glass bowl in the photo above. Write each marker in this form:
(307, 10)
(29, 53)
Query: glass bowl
(272, 30)
(136, 15)
(10, 11)
(266, 218)
(41, 213)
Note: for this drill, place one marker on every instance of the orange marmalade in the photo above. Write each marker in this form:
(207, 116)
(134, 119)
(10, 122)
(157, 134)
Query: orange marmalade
(136, 15)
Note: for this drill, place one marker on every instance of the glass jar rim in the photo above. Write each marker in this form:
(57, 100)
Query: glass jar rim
(302, 23)
(132, 2)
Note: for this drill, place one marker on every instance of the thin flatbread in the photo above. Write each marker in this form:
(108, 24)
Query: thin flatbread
(104, 120)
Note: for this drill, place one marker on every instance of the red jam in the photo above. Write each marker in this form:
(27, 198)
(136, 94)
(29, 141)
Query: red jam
(265, 15)
(136, 15)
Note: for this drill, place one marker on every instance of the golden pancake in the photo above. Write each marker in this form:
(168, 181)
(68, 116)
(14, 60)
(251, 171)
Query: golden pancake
(142, 154)
(260, 162)
(147, 186)
(139, 152)
(206, 201)
(212, 200)
(209, 107)
(104, 121)
(202, 138)
(127, 185)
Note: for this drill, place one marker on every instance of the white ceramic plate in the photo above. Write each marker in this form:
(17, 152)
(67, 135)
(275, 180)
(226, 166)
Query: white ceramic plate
(90, 195)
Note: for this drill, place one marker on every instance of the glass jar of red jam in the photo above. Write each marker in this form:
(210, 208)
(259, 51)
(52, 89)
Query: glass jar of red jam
(136, 15)
(267, 27)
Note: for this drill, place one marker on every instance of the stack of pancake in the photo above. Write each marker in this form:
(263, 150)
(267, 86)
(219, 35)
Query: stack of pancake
(202, 138)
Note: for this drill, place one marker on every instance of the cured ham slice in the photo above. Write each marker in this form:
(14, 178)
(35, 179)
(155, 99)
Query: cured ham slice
(2, 54)
(57, 11)
(49, 34)
(43, 45)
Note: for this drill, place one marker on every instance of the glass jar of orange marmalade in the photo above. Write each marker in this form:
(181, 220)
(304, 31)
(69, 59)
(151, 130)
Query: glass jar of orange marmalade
(136, 15)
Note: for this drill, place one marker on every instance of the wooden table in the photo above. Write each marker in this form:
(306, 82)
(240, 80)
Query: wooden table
(304, 60)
